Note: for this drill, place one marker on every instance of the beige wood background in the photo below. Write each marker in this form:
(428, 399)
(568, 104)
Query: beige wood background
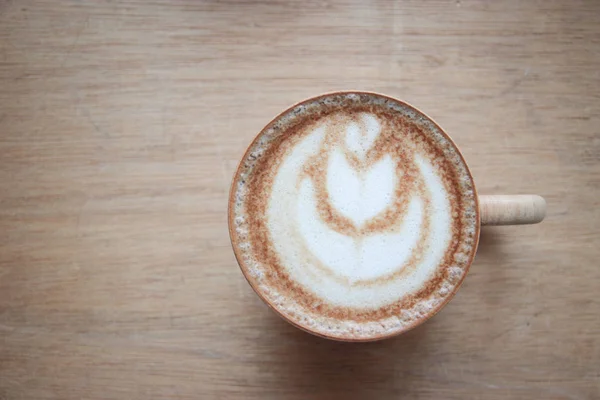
(122, 122)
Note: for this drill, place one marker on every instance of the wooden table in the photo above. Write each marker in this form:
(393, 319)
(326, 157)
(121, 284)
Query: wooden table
(122, 123)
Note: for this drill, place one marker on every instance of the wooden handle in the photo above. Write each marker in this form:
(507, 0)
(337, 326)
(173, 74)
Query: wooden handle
(512, 210)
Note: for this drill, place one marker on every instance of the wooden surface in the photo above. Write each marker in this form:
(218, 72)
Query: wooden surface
(122, 123)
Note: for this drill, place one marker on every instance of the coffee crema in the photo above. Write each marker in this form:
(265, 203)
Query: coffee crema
(354, 216)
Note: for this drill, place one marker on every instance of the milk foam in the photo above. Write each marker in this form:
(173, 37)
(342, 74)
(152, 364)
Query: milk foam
(360, 195)
(302, 238)
(337, 228)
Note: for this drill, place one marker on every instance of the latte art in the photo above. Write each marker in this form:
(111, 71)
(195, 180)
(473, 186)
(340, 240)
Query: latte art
(354, 216)
(359, 212)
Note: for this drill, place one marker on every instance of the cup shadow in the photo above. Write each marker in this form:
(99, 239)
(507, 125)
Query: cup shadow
(491, 241)
(488, 273)
(327, 369)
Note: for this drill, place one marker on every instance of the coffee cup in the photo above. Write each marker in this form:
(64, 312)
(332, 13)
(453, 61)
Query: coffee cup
(354, 216)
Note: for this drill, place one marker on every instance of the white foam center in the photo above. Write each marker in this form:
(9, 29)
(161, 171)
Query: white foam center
(307, 246)
(360, 195)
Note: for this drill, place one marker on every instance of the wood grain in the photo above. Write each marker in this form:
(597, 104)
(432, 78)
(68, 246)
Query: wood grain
(519, 209)
(121, 125)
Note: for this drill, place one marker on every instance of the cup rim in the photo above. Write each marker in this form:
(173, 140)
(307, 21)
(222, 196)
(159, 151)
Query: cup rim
(251, 282)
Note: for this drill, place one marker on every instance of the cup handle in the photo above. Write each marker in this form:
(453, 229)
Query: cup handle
(512, 210)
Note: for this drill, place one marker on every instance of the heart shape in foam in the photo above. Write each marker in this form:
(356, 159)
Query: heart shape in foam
(360, 195)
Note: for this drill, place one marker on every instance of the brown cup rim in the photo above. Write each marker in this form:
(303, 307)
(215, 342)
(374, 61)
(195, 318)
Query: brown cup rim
(251, 282)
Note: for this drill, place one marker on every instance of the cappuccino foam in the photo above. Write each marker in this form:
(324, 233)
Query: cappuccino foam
(354, 216)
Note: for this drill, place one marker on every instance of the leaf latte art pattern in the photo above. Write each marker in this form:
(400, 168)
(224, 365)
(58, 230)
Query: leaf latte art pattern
(362, 208)
(353, 214)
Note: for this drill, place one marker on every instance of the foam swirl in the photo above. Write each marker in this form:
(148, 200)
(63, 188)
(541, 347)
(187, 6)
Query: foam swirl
(354, 215)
